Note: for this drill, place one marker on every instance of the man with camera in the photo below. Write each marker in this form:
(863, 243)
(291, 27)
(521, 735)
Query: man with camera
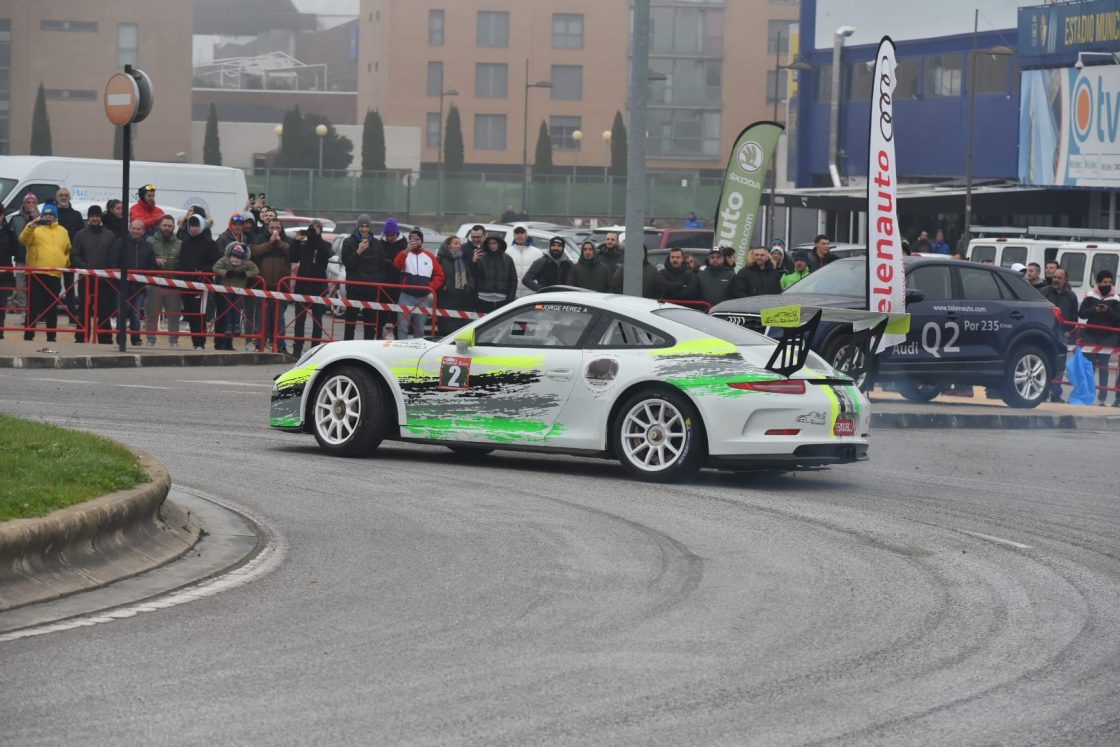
(48, 246)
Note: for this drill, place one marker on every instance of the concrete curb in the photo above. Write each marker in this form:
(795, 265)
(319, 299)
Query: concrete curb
(94, 543)
(145, 360)
(996, 420)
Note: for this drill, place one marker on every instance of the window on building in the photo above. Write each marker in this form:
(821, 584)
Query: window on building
(567, 31)
(908, 73)
(491, 80)
(993, 73)
(823, 83)
(567, 82)
(681, 133)
(943, 74)
(686, 31)
(777, 36)
(858, 81)
(560, 129)
(435, 28)
(52, 25)
(431, 130)
(435, 78)
(493, 28)
(128, 44)
(688, 82)
(779, 79)
(490, 131)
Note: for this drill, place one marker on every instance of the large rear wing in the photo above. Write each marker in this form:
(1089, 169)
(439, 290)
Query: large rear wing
(800, 324)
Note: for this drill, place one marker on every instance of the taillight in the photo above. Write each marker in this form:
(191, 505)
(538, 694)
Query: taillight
(778, 386)
(783, 431)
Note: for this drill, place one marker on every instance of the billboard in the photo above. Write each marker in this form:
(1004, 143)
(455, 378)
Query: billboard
(1069, 127)
(1069, 27)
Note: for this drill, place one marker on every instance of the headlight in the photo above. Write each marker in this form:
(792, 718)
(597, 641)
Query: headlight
(308, 355)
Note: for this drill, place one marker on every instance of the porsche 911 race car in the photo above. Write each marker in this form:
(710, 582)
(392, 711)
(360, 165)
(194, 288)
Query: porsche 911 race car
(662, 388)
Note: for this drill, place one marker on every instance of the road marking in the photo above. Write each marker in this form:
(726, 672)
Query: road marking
(265, 561)
(220, 382)
(144, 386)
(66, 381)
(997, 540)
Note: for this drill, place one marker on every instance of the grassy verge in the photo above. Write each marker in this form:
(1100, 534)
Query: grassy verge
(44, 468)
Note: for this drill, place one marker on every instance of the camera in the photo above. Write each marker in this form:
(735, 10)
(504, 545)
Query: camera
(252, 195)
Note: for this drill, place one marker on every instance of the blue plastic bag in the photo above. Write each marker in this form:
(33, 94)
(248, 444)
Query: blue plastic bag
(1080, 372)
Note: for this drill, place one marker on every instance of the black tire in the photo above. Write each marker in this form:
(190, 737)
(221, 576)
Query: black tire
(1026, 382)
(651, 423)
(916, 391)
(348, 412)
(468, 451)
(835, 350)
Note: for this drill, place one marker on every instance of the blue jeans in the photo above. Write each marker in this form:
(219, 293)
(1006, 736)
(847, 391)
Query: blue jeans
(413, 323)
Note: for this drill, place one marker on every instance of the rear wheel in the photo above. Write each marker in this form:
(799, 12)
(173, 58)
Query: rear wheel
(917, 391)
(348, 412)
(1026, 381)
(658, 436)
(839, 354)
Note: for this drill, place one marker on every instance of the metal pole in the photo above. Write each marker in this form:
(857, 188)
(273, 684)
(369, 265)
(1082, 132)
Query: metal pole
(122, 300)
(774, 161)
(439, 158)
(525, 146)
(636, 151)
(971, 121)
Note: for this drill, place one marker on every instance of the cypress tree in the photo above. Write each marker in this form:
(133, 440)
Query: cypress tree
(453, 158)
(211, 145)
(373, 142)
(542, 163)
(618, 146)
(40, 126)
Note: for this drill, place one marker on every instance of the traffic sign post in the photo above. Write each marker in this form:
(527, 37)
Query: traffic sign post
(128, 99)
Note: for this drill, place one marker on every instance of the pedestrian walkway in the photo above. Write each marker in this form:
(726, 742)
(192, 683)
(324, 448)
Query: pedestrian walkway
(65, 353)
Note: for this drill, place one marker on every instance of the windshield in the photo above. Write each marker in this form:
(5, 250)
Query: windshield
(6, 186)
(710, 325)
(839, 278)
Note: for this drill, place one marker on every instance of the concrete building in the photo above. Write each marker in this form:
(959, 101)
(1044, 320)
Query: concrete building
(72, 48)
(716, 59)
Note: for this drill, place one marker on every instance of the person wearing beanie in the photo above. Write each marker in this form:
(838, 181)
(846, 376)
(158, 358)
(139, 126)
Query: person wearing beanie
(391, 244)
(146, 209)
(48, 245)
(93, 250)
(422, 273)
(800, 269)
(716, 279)
(782, 261)
(234, 269)
(28, 211)
(591, 272)
(365, 262)
(550, 269)
(495, 277)
(197, 253)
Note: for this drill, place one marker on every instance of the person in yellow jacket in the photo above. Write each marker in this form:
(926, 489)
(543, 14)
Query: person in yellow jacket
(48, 245)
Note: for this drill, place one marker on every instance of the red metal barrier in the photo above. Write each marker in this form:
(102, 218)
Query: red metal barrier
(46, 288)
(1093, 349)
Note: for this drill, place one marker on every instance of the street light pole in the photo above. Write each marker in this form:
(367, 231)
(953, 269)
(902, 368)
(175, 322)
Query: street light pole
(439, 148)
(577, 136)
(321, 132)
(778, 68)
(525, 137)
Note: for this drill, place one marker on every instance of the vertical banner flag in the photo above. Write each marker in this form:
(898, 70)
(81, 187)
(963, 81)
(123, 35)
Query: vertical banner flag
(742, 187)
(886, 284)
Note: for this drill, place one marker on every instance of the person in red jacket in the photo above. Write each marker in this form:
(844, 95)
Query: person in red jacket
(146, 210)
(421, 271)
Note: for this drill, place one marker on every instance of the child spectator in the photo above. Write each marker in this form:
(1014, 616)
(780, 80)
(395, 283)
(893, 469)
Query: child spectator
(235, 269)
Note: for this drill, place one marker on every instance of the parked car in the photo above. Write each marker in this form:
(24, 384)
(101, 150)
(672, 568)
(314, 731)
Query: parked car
(971, 324)
(538, 236)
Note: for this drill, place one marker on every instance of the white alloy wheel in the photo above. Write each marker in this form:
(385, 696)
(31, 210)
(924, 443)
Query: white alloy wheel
(348, 412)
(338, 408)
(654, 435)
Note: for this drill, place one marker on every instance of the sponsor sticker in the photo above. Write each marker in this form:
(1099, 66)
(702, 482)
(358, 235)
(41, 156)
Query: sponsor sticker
(813, 418)
(845, 426)
(454, 373)
(600, 374)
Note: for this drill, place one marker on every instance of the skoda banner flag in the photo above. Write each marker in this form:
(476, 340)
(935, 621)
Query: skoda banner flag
(742, 187)
(886, 284)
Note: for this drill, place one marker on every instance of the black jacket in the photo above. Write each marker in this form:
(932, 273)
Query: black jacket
(752, 281)
(495, 272)
(313, 255)
(592, 274)
(716, 283)
(816, 263)
(1104, 312)
(450, 297)
(677, 284)
(1065, 300)
(71, 220)
(92, 248)
(649, 280)
(11, 253)
(611, 259)
(373, 266)
(133, 254)
(114, 224)
(198, 253)
(547, 271)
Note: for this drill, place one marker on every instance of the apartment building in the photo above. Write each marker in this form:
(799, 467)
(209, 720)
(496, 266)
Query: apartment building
(711, 62)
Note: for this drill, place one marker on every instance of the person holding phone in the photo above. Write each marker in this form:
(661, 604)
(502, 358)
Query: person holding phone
(48, 246)
(421, 271)
(364, 263)
(1101, 308)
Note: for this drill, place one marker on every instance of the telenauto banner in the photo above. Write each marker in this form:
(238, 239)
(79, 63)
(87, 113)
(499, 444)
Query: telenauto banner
(1069, 123)
(886, 284)
(742, 187)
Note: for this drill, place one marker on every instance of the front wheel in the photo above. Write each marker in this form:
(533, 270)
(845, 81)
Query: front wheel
(658, 436)
(348, 412)
(1026, 381)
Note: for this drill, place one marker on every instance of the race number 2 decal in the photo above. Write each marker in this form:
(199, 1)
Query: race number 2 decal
(454, 373)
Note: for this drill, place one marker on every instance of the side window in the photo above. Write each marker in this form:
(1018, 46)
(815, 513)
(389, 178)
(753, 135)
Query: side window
(1074, 265)
(935, 282)
(1050, 254)
(544, 325)
(614, 332)
(1102, 261)
(983, 254)
(980, 285)
(1013, 254)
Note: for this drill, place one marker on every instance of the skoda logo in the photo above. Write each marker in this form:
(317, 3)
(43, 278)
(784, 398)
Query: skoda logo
(750, 157)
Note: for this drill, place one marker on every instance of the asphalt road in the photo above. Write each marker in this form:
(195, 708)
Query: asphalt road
(962, 587)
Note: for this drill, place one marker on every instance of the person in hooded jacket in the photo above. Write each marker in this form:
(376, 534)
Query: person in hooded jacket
(198, 253)
(365, 262)
(198, 210)
(551, 269)
(675, 281)
(759, 278)
(236, 270)
(495, 277)
(649, 277)
(782, 259)
(524, 255)
(235, 233)
(313, 253)
(716, 279)
(458, 283)
(133, 253)
(93, 250)
(591, 271)
(11, 255)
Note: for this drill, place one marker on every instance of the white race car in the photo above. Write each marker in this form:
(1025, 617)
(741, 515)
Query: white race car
(662, 388)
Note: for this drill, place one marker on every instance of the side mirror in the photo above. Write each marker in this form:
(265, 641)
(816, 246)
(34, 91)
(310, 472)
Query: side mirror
(913, 295)
(464, 340)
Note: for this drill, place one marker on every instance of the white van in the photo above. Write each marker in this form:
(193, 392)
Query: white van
(1005, 252)
(220, 190)
(1083, 260)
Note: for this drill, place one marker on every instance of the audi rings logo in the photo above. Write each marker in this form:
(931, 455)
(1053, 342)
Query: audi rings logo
(1082, 108)
(749, 156)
